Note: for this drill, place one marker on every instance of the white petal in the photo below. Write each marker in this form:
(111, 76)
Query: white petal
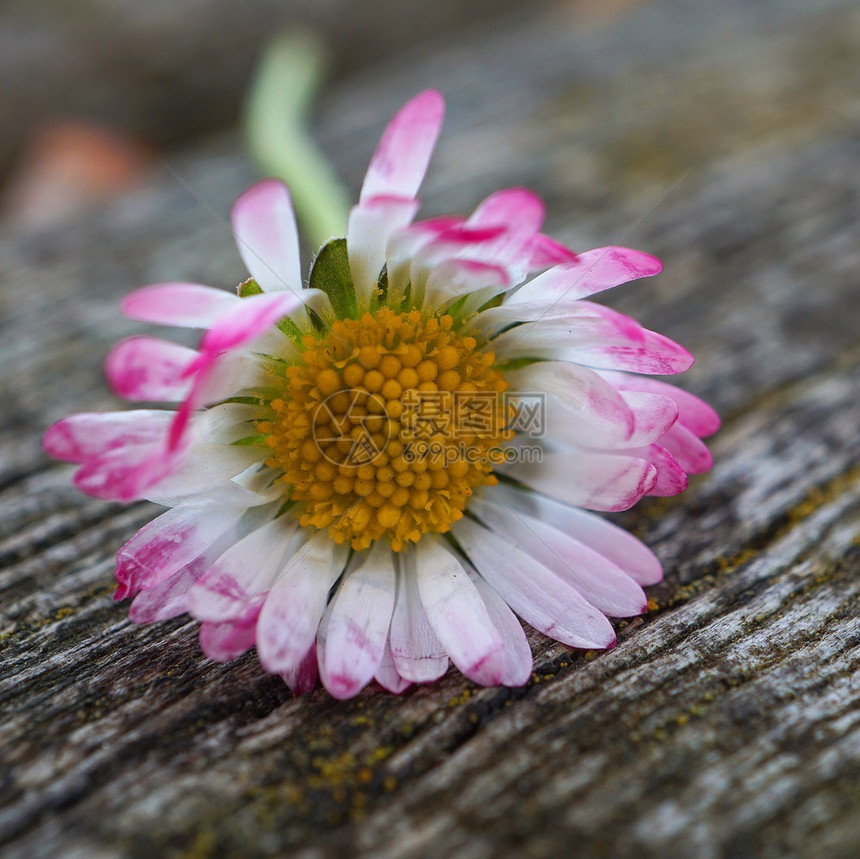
(616, 544)
(245, 570)
(353, 635)
(603, 584)
(266, 235)
(458, 615)
(369, 228)
(418, 654)
(591, 407)
(535, 593)
(598, 481)
(518, 654)
(295, 604)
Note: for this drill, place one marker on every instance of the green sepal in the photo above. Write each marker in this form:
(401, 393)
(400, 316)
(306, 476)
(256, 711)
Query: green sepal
(518, 363)
(249, 441)
(330, 273)
(249, 287)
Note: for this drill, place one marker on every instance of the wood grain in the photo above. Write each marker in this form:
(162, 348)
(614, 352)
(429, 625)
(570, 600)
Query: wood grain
(727, 720)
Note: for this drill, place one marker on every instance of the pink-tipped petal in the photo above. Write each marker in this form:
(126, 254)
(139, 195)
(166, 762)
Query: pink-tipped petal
(302, 677)
(517, 652)
(591, 272)
(222, 642)
(591, 574)
(589, 408)
(124, 474)
(654, 415)
(254, 316)
(693, 413)
(418, 654)
(170, 542)
(90, 435)
(353, 635)
(266, 235)
(521, 213)
(168, 598)
(246, 570)
(595, 342)
(617, 545)
(597, 481)
(535, 593)
(146, 368)
(544, 252)
(690, 451)
(294, 606)
(187, 305)
(671, 478)
(398, 166)
(457, 614)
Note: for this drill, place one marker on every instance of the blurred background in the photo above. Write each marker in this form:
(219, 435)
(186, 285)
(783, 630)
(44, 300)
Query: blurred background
(94, 91)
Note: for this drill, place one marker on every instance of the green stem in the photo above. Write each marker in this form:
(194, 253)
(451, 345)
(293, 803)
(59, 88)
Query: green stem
(276, 131)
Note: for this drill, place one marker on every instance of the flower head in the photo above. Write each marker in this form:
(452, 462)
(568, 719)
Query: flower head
(372, 474)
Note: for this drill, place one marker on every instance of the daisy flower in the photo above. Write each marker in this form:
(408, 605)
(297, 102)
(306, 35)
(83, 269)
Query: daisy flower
(379, 472)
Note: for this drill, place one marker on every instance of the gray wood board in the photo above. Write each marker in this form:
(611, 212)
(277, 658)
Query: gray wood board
(726, 721)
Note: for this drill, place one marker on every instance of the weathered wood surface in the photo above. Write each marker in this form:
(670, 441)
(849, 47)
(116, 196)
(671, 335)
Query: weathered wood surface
(727, 721)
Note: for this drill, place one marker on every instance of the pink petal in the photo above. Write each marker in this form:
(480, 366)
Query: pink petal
(521, 213)
(222, 642)
(400, 161)
(254, 316)
(250, 319)
(544, 251)
(418, 655)
(517, 653)
(265, 229)
(693, 413)
(353, 635)
(146, 368)
(671, 478)
(597, 343)
(168, 598)
(126, 473)
(591, 272)
(591, 574)
(168, 543)
(535, 593)
(92, 434)
(597, 481)
(247, 569)
(405, 243)
(617, 545)
(302, 677)
(691, 453)
(188, 305)
(457, 614)
(295, 604)
(653, 415)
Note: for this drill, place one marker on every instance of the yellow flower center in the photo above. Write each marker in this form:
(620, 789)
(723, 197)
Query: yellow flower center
(386, 426)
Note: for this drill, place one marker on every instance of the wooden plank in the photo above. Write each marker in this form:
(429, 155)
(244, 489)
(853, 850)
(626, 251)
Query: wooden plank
(727, 720)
